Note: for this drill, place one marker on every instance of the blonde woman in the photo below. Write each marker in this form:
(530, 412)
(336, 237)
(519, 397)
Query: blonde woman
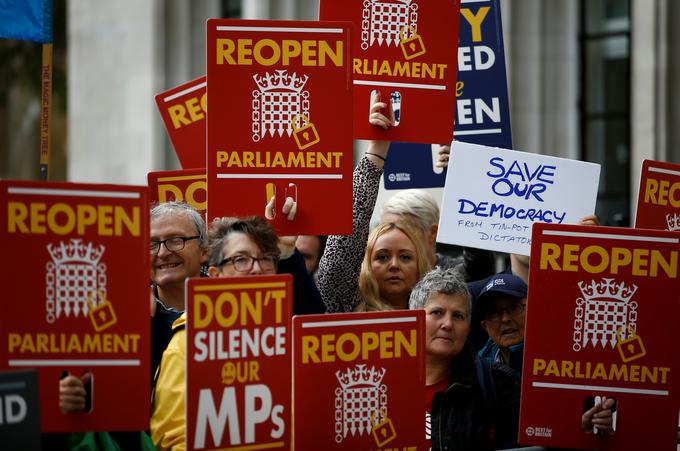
(394, 260)
(385, 283)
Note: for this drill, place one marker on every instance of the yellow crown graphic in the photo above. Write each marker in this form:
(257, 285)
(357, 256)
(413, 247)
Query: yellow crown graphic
(360, 376)
(75, 251)
(606, 289)
(280, 80)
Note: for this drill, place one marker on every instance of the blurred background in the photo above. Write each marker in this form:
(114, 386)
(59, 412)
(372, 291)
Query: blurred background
(596, 80)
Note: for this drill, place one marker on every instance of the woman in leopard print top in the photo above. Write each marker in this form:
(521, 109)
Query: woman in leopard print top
(340, 265)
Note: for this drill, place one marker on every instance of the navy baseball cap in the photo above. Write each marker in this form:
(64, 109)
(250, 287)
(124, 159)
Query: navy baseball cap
(501, 284)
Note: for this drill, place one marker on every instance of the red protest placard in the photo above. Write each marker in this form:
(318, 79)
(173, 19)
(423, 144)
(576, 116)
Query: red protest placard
(359, 381)
(238, 363)
(76, 297)
(183, 110)
(185, 185)
(600, 322)
(658, 204)
(406, 49)
(280, 122)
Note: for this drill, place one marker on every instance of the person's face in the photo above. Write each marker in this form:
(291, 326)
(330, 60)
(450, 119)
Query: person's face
(168, 267)
(446, 325)
(240, 245)
(309, 246)
(504, 322)
(395, 267)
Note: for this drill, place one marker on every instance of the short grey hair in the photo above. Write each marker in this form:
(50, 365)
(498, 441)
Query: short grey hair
(259, 230)
(182, 208)
(444, 281)
(418, 204)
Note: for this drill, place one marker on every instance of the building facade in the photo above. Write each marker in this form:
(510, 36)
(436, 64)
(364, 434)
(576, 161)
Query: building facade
(597, 80)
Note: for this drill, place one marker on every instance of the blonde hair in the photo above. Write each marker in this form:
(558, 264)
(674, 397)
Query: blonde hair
(368, 286)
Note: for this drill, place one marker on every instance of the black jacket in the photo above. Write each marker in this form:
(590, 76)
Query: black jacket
(465, 417)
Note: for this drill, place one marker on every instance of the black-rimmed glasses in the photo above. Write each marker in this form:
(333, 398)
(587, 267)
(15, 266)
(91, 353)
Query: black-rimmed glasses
(172, 244)
(244, 263)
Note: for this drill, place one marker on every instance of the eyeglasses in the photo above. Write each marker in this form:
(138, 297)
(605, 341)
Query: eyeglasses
(514, 309)
(244, 263)
(173, 244)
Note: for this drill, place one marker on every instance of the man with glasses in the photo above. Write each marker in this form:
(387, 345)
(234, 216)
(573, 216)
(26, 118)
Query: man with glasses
(502, 305)
(177, 250)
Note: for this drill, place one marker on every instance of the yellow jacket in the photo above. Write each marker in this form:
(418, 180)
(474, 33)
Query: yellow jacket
(167, 419)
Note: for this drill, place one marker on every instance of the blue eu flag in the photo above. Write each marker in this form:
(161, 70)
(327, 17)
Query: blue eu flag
(28, 20)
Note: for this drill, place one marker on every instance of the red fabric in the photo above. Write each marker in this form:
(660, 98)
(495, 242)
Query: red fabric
(430, 390)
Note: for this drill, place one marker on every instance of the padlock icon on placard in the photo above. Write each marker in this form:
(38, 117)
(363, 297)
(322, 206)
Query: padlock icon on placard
(102, 316)
(630, 348)
(306, 135)
(412, 46)
(383, 432)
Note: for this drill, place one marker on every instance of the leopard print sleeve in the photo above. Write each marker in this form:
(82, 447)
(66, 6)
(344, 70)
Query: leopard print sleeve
(340, 265)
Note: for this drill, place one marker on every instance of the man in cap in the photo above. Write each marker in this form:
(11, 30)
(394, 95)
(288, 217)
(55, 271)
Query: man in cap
(501, 306)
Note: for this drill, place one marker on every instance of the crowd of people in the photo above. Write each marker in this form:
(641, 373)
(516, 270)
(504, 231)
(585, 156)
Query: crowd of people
(474, 317)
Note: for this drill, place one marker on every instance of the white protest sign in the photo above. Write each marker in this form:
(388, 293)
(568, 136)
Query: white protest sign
(492, 196)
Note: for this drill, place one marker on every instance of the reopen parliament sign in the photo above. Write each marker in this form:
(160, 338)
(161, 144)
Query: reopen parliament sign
(183, 110)
(359, 381)
(280, 122)
(601, 322)
(406, 51)
(75, 297)
(658, 204)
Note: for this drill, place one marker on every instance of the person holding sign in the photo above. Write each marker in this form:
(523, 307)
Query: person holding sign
(177, 249)
(502, 304)
(252, 249)
(459, 414)
(381, 275)
(238, 247)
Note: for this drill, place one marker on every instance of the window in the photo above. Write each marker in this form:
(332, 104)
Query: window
(605, 103)
(231, 9)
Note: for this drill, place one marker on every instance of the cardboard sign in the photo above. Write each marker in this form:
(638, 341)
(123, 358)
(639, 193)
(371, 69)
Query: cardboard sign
(493, 196)
(482, 110)
(76, 296)
(186, 185)
(406, 50)
(280, 122)
(359, 381)
(601, 321)
(658, 204)
(19, 411)
(238, 363)
(183, 110)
